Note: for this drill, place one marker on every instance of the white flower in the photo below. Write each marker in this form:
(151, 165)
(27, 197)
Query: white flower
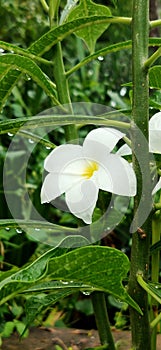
(80, 171)
(154, 142)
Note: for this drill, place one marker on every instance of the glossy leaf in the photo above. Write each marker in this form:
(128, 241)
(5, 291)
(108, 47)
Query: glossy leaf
(8, 79)
(88, 8)
(36, 304)
(100, 268)
(49, 120)
(27, 66)
(20, 51)
(59, 33)
(155, 77)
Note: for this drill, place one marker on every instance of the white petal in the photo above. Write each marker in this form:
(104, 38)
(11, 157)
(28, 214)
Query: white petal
(117, 176)
(157, 187)
(50, 190)
(155, 133)
(56, 184)
(124, 150)
(81, 200)
(155, 141)
(108, 137)
(155, 122)
(61, 156)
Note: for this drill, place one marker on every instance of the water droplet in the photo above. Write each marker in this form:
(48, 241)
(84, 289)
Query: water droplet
(30, 141)
(156, 287)
(113, 103)
(9, 134)
(100, 58)
(18, 230)
(47, 147)
(1, 50)
(37, 229)
(123, 91)
(7, 228)
(64, 282)
(86, 293)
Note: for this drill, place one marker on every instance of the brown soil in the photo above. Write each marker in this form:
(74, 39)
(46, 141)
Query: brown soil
(46, 338)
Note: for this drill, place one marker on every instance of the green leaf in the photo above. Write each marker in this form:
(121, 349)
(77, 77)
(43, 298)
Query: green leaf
(100, 268)
(88, 8)
(155, 77)
(103, 52)
(59, 33)
(27, 66)
(155, 247)
(8, 79)
(156, 289)
(49, 120)
(18, 50)
(36, 304)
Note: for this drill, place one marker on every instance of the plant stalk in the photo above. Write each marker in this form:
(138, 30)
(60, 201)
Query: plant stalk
(156, 226)
(102, 320)
(63, 91)
(143, 202)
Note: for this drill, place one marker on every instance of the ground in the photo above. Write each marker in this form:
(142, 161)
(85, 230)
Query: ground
(75, 339)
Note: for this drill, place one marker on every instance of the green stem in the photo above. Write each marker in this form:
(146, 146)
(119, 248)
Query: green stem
(153, 58)
(155, 274)
(63, 90)
(140, 245)
(156, 321)
(156, 23)
(144, 285)
(102, 320)
(44, 5)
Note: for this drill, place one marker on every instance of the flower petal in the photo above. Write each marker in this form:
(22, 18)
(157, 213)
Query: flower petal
(50, 190)
(155, 122)
(157, 187)
(155, 133)
(124, 150)
(56, 184)
(81, 200)
(117, 176)
(61, 156)
(108, 137)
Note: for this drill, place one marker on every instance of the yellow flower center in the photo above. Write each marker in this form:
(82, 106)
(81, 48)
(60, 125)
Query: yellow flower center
(89, 170)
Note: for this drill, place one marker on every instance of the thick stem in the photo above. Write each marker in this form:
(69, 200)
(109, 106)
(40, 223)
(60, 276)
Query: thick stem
(63, 90)
(102, 320)
(156, 227)
(140, 242)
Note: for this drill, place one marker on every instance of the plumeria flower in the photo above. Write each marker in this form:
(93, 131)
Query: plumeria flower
(154, 142)
(80, 171)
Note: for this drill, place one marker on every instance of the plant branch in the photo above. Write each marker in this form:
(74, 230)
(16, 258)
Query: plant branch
(153, 58)
(102, 320)
(155, 23)
(143, 202)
